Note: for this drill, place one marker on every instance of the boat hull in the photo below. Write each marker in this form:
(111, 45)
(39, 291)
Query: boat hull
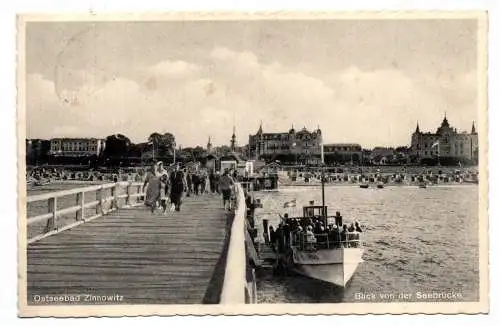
(335, 266)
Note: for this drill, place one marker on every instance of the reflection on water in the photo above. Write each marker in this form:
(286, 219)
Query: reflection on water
(417, 240)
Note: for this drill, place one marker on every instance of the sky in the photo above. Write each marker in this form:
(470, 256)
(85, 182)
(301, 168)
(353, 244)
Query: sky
(360, 81)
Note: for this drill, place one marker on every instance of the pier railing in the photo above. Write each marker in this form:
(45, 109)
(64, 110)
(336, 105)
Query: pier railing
(58, 211)
(237, 288)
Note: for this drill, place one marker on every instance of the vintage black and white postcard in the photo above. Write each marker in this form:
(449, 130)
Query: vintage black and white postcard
(293, 163)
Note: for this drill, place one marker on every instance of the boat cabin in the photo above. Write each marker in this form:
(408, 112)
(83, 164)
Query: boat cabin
(315, 211)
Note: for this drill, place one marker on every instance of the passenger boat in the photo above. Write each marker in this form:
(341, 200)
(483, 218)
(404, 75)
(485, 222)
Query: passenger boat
(380, 185)
(321, 252)
(364, 185)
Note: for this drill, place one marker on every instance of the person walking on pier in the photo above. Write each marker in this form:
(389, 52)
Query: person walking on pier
(211, 181)
(225, 185)
(189, 181)
(217, 181)
(176, 189)
(196, 183)
(152, 187)
(203, 182)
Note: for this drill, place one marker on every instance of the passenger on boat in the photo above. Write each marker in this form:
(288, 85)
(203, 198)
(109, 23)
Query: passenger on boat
(358, 228)
(279, 238)
(310, 238)
(294, 224)
(343, 235)
(338, 219)
(321, 236)
(351, 228)
(298, 235)
(354, 239)
(335, 236)
(272, 237)
(286, 234)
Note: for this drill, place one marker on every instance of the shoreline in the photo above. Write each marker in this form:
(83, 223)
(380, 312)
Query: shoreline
(374, 186)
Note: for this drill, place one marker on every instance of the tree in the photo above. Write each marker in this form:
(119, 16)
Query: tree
(222, 150)
(162, 143)
(198, 152)
(116, 146)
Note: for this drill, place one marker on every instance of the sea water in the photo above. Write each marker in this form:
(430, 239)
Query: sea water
(420, 244)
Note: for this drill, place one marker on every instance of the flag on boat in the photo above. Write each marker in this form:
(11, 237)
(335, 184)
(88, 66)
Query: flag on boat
(291, 203)
(436, 143)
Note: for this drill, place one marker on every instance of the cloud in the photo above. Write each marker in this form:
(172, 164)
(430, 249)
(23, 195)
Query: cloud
(173, 69)
(196, 99)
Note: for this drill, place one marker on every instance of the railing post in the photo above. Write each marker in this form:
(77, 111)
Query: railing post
(52, 222)
(139, 194)
(98, 208)
(80, 200)
(127, 199)
(114, 200)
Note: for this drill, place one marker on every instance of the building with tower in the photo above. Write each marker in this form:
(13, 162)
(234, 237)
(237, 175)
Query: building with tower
(302, 146)
(209, 145)
(446, 145)
(233, 140)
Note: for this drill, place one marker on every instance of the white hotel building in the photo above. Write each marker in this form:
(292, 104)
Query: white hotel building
(76, 146)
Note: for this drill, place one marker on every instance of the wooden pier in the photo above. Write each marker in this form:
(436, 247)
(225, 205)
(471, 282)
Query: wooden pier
(134, 255)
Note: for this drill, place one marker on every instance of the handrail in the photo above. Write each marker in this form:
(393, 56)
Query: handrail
(353, 240)
(233, 288)
(100, 204)
(74, 191)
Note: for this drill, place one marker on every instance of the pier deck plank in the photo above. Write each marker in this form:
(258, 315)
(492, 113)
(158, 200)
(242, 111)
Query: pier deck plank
(173, 259)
